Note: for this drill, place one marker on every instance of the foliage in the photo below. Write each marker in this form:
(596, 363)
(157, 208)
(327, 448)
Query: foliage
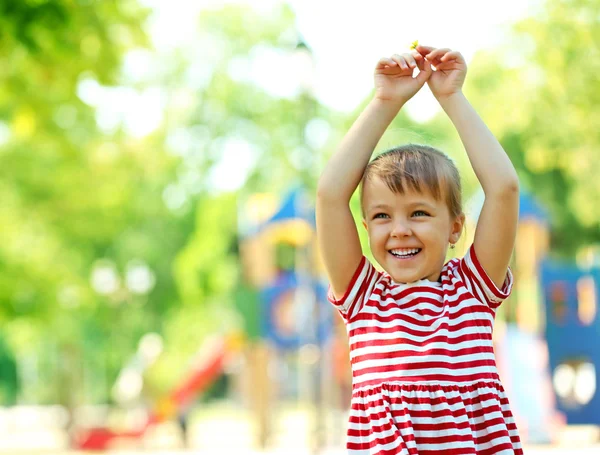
(541, 95)
(77, 195)
(232, 116)
(73, 194)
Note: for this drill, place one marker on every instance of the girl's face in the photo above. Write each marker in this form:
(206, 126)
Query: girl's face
(409, 233)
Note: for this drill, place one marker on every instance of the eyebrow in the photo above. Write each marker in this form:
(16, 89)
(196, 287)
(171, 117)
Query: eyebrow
(379, 206)
(411, 205)
(424, 204)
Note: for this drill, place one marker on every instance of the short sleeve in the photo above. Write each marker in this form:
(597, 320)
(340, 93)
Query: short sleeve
(360, 288)
(480, 284)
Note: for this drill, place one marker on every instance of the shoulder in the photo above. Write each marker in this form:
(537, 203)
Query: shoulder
(468, 272)
(450, 268)
(365, 283)
(459, 270)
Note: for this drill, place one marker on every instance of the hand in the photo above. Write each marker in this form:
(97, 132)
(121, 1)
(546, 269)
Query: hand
(394, 79)
(450, 70)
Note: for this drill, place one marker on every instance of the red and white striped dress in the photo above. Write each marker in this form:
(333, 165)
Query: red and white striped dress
(424, 377)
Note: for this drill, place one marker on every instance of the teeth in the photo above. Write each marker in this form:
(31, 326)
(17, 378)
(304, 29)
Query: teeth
(405, 251)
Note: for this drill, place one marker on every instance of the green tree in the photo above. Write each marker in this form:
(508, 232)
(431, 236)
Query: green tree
(77, 197)
(232, 116)
(540, 93)
(73, 194)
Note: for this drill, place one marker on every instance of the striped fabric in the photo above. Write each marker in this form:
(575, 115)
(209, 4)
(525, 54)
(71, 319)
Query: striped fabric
(423, 367)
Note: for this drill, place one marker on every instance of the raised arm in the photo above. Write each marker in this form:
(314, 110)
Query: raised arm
(497, 225)
(336, 230)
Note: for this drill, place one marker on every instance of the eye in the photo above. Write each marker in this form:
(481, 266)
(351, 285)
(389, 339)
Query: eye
(380, 215)
(420, 213)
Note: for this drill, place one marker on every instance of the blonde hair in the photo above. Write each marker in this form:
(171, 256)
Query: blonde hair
(418, 168)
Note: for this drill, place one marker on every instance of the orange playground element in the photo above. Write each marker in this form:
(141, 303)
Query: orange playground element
(211, 362)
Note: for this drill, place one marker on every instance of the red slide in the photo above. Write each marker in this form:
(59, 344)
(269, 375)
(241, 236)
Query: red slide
(210, 364)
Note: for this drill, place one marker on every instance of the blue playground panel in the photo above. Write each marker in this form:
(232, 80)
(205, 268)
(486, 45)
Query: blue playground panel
(277, 306)
(568, 338)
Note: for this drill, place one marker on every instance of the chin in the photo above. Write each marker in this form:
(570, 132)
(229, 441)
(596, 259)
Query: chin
(408, 280)
(405, 277)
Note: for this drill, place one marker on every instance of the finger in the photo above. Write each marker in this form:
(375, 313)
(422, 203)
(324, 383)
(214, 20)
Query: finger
(419, 59)
(424, 72)
(427, 66)
(453, 55)
(417, 56)
(385, 61)
(448, 65)
(437, 53)
(399, 59)
(424, 50)
(410, 59)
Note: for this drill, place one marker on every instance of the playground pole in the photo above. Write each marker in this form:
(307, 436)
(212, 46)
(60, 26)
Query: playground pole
(262, 390)
(310, 342)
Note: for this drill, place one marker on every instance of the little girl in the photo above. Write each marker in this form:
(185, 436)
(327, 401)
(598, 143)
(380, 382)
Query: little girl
(423, 368)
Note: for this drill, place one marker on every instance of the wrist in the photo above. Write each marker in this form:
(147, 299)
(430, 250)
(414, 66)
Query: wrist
(387, 104)
(452, 98)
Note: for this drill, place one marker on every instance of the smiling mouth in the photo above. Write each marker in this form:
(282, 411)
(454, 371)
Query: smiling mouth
(405, 253)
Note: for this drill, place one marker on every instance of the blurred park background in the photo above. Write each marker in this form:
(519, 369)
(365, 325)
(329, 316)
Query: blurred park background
(159, 285)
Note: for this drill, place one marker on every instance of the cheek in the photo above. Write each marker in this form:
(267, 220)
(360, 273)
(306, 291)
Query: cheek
(377, 233)
(437, 232)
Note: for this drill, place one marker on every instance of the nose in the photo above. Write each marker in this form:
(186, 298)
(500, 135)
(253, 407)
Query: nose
(401, 228)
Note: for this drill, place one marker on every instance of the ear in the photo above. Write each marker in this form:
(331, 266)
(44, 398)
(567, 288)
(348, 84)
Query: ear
(457, 228)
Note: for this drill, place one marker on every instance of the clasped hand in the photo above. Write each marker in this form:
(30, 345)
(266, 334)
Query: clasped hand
(444, 71)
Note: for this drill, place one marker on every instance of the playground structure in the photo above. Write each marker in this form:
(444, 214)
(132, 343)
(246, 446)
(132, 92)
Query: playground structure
(547, 336)
(209, 365)
(283, 297)
(295, 322)
(573, 335)
(268, 306)
(548, 339)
